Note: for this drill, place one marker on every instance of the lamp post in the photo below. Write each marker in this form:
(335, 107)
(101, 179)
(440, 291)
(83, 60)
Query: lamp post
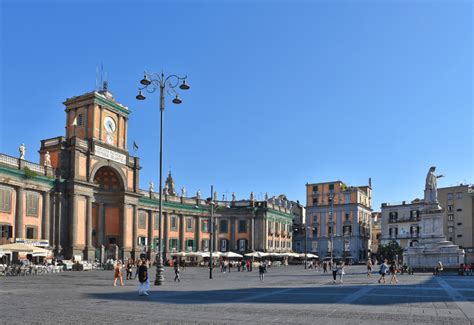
(211, 233)
(331, 221)
(151, 82)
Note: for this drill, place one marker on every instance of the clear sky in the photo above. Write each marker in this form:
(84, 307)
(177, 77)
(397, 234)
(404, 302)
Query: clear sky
(282, 92)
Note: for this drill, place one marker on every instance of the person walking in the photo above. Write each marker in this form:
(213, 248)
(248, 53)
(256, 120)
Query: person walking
(325, 267)
(176, 273)
(262, 268)
(128, 268)
(383, 270)
(143, 278)
(334, 271)
(369, 268)
(393, 271)
(118, 274)
(341, 271)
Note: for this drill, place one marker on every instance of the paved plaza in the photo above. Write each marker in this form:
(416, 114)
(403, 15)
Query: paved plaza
(288, 295)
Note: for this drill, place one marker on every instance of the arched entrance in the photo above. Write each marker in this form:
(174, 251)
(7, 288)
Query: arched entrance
(107, 213)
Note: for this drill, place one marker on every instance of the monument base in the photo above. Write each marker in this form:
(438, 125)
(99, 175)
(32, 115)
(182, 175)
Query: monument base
(433, 246)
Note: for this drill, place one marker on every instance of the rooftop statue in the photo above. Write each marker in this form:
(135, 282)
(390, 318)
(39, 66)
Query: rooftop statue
(22, 150)
(431, 186)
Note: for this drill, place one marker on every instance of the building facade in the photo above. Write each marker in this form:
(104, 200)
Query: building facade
(458, 206)
(84, 197)
(339, 217)
(375, 233)
(401, 222)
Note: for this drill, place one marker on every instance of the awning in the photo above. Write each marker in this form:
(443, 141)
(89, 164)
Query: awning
(17, 248)
(256, 254)
(231, 254)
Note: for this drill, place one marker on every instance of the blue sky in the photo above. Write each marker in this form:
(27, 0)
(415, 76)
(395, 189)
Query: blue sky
(283, 92)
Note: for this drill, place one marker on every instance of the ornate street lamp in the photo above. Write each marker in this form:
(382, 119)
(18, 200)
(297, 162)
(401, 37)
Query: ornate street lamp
(151, 82)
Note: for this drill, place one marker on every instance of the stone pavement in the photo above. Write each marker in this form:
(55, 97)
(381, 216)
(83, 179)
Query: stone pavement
(288, 295)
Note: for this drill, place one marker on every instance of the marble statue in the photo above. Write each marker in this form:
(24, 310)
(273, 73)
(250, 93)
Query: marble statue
(183, 191)
(431, 186)
(22, 150)
(251, 196)
(233, 196)
(165, 190)
(266, 196)
(198, 194)
(215, 197)
(47, 159)
(151, 188)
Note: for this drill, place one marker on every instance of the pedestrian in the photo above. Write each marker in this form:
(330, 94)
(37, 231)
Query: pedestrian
(393, 271)
(438, 268)
(369, 268)
(128, 268)
(334, 271)
(261, 271)
(325, 267)
(143, 278)
(239, 265)
(383, 270)
(176, 273)
(341, 271)
(248, 265)
(229, 266)
(118, 274)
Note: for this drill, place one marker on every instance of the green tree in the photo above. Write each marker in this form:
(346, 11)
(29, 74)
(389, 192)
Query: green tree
(391, 251)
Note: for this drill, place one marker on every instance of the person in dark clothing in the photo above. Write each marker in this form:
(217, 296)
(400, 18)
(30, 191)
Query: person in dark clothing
(143, 279)
(262, 268)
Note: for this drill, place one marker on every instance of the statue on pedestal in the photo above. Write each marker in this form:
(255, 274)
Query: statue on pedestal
(266, 196)
(198, 194)
(47, 159)
(151, 188)
(22, 150)
(233, 196)
(251, 196)
(431, 186)
(183, 191)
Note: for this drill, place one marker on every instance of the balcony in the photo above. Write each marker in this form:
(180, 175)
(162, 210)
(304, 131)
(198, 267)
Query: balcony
(410, 219)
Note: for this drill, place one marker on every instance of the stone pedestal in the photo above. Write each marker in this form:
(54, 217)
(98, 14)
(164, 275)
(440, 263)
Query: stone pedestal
(433, 246)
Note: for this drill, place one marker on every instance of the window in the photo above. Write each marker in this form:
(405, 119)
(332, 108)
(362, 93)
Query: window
(393, 216)
(80, 120)
(329, 230)
(270, 243)
(242, 226)
(30, 232)
(459, 236)
(174, 222)
(459, 210)
(347, 230)
(223, 226)
(189, 245)
(5, 200)
(205, 226)
(450, 208)
(242, 244)
(189, 224)
(315, 188)
(205, 245)
(331, 187)
(451, 217)
(459, 223)
(174, 244)
(346, 216)
(450, 229)
(450, 196)
(315, 200)
(458, 196)
(142, 219)
(6, 231)
(277, 244)
(142, 241)
(315, 219)
(414, 214)
(315, 231)
(32, 204)
(223, 245)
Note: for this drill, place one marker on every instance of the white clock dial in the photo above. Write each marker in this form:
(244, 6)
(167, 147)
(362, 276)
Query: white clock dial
(109, 124)
(110, 139)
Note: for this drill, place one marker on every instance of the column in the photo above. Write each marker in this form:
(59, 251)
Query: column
(165, 233)
(150, 231)
(52, 234)
(46, 216)
(252, 234)
(197, 233)
(19, 227)
(59, 215)
(123, 225)
(233, 243)
(89, 222)
(182, 244)
(73, 222)
(101, 224)
(135, 231)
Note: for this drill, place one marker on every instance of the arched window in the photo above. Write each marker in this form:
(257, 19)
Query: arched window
(107, 179)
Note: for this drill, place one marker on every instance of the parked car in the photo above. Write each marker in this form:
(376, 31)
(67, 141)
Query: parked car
(66, 264)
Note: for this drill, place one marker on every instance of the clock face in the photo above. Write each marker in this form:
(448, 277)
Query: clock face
(110, 139)
(109, 124)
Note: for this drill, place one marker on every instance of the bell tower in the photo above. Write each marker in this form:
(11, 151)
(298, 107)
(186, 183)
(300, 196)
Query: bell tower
(99, 117)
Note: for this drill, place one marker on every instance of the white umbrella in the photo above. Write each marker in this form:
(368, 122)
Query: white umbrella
(257, 254)
(214, 254)
(231, 254)
(179, 254)
(311, 256)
